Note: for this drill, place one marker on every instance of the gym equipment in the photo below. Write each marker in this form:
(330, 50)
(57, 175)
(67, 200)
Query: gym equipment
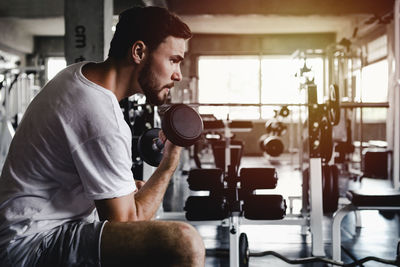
(275, 127)
(140, 116)
(346, 147)
(376, 164)
(326, 141)
(236, 152)
(206, 208)
(395, 262)
(226, 150)
(388, 200)
(181, 124)
(206, 179)
(334, 104)
(213, 124)
(244, 252)
(272, 145)
(258, 178)
(330, 188)
(284, 111)
(235, 200)
(17, 89)
(264, 207)
(150, 147)
(238, 190)
(260, 207)
(312, 183)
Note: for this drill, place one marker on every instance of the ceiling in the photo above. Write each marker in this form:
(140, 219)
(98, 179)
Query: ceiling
(45, 17)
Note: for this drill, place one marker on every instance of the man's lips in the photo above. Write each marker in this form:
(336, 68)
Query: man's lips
(168, 87)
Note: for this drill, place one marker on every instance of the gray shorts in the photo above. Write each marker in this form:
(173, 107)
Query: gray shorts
(71, 244)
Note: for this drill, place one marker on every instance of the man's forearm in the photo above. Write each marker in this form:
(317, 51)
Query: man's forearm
(150, 196)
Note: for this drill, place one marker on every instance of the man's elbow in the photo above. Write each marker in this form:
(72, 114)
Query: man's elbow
(130, 217)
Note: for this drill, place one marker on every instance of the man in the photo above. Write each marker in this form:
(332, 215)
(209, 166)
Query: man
(72, 153)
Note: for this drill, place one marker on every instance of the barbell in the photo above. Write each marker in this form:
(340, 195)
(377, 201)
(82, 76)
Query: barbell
(181, 124)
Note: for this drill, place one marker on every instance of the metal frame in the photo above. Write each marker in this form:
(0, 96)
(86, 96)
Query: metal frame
(337, 220)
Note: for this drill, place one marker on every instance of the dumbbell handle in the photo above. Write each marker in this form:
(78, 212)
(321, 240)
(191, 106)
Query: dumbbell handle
(157, 144)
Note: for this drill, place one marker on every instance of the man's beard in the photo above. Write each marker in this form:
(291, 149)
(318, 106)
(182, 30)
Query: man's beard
(151, 88)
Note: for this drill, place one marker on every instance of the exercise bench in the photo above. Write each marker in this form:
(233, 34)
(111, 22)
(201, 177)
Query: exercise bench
(387, 200)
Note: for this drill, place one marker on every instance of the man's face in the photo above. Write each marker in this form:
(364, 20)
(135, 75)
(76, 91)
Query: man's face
(161, 69)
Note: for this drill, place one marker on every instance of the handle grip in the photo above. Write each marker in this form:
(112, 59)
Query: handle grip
(158, 145)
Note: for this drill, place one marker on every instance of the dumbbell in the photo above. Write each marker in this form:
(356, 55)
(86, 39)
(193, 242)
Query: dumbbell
(181, 124)
(272, 145)
(275, 127)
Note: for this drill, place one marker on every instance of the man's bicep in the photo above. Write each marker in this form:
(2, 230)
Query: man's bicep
(119, 209)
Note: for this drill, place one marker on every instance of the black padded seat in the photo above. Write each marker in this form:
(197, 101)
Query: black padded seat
(388, 198)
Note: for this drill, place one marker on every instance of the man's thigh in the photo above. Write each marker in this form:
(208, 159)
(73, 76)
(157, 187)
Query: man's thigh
(71, 244)
(151, 243)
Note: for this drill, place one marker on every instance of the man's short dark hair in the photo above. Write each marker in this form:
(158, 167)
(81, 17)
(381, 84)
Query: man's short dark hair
(149, 24)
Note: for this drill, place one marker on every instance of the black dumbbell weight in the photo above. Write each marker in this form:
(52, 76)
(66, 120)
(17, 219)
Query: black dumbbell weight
(272, 145)
(181, 124)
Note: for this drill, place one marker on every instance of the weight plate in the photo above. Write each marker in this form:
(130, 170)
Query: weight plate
(146, 149)
(274, 146)
(326, 141)
(182, 125)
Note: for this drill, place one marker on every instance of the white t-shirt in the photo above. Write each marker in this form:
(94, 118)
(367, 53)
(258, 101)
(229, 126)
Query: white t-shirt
(72, 147)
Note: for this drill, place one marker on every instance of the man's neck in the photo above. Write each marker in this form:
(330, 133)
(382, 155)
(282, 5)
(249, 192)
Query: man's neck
(113, 75)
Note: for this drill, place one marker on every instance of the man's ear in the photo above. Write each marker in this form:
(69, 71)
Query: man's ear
(138, 52)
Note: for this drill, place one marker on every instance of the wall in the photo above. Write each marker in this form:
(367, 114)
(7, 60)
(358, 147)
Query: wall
(13, 39)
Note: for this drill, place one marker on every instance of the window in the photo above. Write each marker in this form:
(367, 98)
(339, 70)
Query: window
(252, 80)
(374, 88)
(377, 49)
(375, 82)
(229, 79)
(280, 85)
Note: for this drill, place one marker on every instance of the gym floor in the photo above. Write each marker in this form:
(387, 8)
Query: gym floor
(377, 237)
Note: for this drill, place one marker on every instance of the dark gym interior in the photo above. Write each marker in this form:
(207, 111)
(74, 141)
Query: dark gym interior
(297, 161)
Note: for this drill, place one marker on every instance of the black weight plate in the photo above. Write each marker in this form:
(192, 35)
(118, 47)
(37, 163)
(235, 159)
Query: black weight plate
(182, 125)
(274, 146)
(145, 149)
(244, 253)
(326, 141)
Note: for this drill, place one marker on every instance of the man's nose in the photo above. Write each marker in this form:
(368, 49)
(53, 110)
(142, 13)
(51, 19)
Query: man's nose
(177, 75)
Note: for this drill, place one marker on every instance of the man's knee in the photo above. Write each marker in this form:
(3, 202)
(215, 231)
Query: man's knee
(190, 246)
(153, 243)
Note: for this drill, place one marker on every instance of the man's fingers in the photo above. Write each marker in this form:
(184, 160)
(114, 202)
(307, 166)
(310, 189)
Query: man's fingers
(139, 184)
(162, 136)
